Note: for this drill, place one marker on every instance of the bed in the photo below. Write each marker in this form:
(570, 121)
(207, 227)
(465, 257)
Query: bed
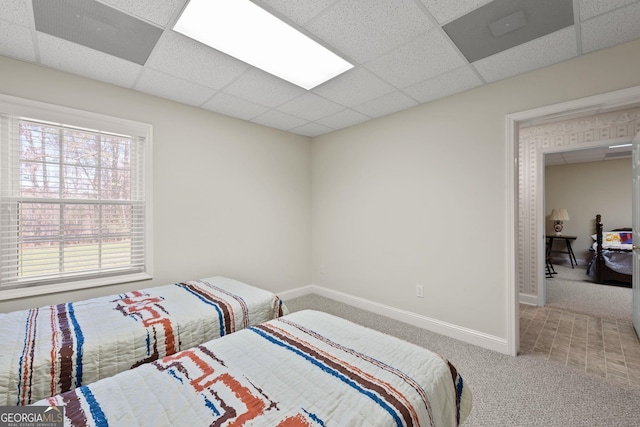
(612, 253)
(307, 368)
(49, 350)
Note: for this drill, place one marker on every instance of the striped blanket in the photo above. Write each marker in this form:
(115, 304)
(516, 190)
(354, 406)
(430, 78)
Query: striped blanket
(304, 369)
(49, 350)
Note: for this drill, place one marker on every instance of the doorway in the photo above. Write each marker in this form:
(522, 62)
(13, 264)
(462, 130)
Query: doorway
(525, 249)
(586, 182)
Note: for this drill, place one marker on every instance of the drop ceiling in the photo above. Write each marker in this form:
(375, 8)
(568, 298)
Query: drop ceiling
(587, 155)
(405, 52)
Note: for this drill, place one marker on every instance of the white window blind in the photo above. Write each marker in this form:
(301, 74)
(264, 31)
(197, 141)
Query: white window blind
(72, 203)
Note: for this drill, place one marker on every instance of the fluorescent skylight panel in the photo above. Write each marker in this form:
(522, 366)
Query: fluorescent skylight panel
(247, 32)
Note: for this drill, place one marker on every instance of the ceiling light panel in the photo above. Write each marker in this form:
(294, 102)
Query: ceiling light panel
(247, 32)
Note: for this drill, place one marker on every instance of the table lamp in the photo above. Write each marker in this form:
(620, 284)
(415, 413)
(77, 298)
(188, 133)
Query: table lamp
(557, 216)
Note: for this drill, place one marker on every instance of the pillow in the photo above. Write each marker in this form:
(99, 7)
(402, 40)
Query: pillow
(626, 238)
(615, 239)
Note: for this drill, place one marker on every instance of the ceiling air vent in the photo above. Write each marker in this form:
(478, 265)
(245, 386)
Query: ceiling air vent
(97, 26)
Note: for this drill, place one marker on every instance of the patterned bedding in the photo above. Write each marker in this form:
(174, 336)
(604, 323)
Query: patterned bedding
(620, 261)
(49, 350)
(304, 369)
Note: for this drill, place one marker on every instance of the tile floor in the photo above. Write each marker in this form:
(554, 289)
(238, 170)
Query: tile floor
(608, 349)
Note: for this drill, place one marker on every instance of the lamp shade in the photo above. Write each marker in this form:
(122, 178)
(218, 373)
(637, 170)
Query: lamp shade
(559, 215)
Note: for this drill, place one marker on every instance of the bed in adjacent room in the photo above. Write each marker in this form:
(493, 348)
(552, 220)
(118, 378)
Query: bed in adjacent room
(49, 350)
(612, 251)
(305, 369)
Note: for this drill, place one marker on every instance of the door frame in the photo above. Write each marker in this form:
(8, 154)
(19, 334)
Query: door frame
(611, 101)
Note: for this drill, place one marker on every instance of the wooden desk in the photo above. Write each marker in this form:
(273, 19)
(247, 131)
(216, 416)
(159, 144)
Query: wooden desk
(567, 242)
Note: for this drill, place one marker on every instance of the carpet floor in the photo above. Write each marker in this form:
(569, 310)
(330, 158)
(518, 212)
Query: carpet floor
(570, 290)
(526, 390)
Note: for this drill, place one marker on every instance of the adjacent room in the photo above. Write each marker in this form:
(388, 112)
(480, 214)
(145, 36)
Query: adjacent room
(588, 183)
(346, 229)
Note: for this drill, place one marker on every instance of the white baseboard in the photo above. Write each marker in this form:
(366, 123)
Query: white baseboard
(294, 293)
(528, 299)
(447, 329)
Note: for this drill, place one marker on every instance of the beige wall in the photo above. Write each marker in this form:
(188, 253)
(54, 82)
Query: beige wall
(585, 190)
(419, 197)
(230, 197)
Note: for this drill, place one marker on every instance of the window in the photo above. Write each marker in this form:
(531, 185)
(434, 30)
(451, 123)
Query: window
(74, 210)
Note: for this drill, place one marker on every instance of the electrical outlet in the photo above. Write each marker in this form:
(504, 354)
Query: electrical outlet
(419, 291)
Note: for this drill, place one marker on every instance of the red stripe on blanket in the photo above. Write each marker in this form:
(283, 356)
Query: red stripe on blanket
(27, 358)
(54, 352)
(151, 312)
(211, 379)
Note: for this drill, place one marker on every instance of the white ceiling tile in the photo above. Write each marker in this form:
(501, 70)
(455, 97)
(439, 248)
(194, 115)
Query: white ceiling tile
(16, 11)
(386, 104)
(538, 53)
(611, 28)
(444, 85)
(279, 120)
(591, 8)
(179, 56)
(425, 57)
(231, 106)
(310, 106)
(354, 87)
(446, 10)
(293, 11)
(363, 29)
(77, 59)
(16, 42)
(595, 154)
(343, 119)
(166, 86)
(263, 88)
(158, 12)
(311, 130)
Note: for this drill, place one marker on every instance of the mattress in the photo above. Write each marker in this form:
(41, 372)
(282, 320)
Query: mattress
(52, 349)
(305, 369)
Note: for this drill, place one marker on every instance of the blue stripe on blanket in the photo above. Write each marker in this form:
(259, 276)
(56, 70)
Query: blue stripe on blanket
(79, 343)
(97, 414)
(332, 372)
(211, 303)
(459, 387)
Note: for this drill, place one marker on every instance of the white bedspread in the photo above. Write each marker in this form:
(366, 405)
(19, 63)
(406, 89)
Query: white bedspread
(49, 350)
(305, 369)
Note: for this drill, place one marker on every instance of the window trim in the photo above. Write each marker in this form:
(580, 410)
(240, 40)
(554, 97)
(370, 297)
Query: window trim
(59, 114)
